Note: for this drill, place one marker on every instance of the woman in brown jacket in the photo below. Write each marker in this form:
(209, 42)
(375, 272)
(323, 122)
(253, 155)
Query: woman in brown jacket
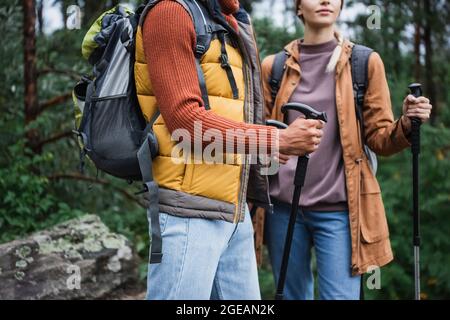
(341, 210)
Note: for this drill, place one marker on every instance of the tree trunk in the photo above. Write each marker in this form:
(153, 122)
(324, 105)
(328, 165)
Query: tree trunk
(30, 72)
(417, 65)
(40, 16)
(247, 4)
(417, 41)
(64, 6)
(430, 91)
(92, 10)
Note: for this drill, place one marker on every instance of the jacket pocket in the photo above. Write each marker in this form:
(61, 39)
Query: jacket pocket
(373, 220)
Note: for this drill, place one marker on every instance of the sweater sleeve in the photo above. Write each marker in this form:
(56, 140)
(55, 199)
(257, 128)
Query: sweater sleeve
(169, 38)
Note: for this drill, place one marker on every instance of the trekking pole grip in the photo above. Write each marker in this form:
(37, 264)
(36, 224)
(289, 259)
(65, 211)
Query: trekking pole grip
(276, 124)
(309, 113)
(416, 91)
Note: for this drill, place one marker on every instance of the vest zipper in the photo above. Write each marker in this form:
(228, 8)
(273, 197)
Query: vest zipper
(258, 62)
(245, 168)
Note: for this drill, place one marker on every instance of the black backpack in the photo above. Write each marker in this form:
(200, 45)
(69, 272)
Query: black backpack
(359, 63)
(109, 123)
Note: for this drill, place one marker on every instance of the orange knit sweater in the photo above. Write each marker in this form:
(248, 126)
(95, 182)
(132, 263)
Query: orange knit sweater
(169, 42)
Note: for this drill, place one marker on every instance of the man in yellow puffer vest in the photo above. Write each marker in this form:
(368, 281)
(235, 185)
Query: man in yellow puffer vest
(190, 91)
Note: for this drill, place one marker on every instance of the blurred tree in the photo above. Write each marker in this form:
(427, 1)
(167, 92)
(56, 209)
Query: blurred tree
(272, 39)
(30, 72)
(413, 37)
(248, 4)
(40, 17)
(429, 21)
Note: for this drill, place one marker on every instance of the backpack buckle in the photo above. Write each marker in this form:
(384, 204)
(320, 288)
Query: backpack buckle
(360, 97)
(358, 90)
(274, 82)
(199, 50)
(224, 62)
(143, 190)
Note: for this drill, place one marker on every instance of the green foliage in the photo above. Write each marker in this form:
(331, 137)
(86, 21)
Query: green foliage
(395, 177)
(26, 205)
(32, 201)
(272, 39)
(11, 68)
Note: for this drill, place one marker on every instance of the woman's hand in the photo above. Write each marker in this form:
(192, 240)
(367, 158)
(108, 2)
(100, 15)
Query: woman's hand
(416, 108)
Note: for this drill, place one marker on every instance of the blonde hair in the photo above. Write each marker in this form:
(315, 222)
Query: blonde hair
(331, 66)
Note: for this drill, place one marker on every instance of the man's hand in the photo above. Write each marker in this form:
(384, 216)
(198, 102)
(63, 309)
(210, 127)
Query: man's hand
(301, 137)
(282, 158)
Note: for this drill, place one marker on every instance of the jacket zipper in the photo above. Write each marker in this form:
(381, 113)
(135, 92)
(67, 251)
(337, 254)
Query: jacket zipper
(358, 228)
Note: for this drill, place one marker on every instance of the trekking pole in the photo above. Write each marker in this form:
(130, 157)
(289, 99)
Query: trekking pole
(299, 179)
(416, 91)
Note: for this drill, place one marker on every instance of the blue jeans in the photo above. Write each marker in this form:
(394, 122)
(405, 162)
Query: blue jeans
(204, 259)
(329, 234)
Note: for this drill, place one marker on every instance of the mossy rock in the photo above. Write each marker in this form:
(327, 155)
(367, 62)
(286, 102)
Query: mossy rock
(77, 259)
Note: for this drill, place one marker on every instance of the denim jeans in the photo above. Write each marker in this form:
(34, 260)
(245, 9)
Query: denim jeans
(204, 259)
(329, 234)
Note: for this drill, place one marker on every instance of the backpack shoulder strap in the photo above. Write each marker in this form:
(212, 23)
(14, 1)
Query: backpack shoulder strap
(202, 25)
(276, 74)
(205, 28)
(359, 65)
(145, 10)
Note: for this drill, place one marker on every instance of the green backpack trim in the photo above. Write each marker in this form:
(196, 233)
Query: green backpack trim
(90, 42)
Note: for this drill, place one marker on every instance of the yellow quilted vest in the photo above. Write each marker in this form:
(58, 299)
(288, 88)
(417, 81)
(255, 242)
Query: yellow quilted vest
(214, 181)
